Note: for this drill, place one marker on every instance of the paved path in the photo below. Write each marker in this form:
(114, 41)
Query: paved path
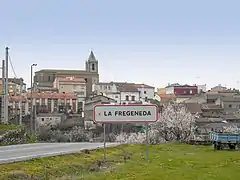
(24, 152)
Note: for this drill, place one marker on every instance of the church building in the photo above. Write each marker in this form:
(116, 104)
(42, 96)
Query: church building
(45, 78)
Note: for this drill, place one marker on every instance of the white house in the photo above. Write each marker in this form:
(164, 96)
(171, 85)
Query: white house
(129, 94)
(125, 93)
(146, 92)
(105, 87)
(219, 87)
(202, 88)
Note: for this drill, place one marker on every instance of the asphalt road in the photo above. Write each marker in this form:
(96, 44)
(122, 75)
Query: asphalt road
(15, 153)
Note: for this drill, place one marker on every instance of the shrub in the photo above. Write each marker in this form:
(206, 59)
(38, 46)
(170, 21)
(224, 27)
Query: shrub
(18, 136)
(78, 134)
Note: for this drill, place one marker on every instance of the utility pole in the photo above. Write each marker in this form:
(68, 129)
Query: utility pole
(32, 124)
(31, 97)
(3, 93)
(6, 84)
(20, 102)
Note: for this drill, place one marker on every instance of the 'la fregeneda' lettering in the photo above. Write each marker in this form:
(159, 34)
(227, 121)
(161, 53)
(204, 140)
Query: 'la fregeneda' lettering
(127, 113)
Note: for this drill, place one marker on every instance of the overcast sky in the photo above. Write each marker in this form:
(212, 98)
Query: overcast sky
(155, 42)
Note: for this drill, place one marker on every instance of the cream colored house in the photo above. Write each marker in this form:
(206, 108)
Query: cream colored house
(70, 84)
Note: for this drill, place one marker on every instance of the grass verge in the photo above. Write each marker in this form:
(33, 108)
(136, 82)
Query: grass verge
(7, 127)
(166, 162)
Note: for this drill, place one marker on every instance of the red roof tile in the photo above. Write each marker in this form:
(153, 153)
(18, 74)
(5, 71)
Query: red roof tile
(43, 96)
(53, 95)
(16, 98)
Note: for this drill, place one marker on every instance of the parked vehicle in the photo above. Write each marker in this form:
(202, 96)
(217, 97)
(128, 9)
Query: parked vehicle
(221, 140)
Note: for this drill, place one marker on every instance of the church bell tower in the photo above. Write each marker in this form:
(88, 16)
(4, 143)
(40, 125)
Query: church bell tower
(92, 63)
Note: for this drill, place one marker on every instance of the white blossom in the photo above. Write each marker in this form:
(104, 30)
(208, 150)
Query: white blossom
(231, 130)
(131, 138)
(175, 123)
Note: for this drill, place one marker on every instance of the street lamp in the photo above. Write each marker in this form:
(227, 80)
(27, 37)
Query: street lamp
(31, 110)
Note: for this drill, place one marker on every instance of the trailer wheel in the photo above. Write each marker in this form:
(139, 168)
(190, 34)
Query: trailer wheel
(219, 147)
(232, 146)
(238, 146)
(214, 146)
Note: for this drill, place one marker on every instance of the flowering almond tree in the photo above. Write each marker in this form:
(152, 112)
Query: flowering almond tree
(175, 123)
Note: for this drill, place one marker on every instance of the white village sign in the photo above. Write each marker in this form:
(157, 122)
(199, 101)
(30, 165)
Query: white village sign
(138, 113)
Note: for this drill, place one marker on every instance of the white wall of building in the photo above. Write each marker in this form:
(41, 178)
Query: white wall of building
(110, 90)
(130, 95)
(157, 97)
(169, 90)
(146, 92)
(202, 88)
(104, 88)
(50, 120)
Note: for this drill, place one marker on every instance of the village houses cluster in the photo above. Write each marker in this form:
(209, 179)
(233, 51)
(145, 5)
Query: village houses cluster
(58, 91)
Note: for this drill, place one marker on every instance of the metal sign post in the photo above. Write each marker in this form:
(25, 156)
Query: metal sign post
(104, 142)
(147, 141)
(134, 113)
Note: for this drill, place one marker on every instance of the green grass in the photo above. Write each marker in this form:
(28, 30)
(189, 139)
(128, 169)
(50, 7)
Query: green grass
(6, 127)
(166, 162)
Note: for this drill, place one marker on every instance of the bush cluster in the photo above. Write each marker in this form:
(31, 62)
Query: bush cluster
(11, 137)
(76, 134)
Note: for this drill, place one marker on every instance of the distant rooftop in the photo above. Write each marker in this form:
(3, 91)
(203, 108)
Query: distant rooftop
(136, 85)
(64, 71)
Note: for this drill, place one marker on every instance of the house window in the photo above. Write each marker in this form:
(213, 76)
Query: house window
(49, 78)
(93, 67)
(133, 98)
(43, 101)
(127, 98)
(62, 101)
(116, 96)
(146, 99)
(229, 105)
(145, 92)
(82, 93)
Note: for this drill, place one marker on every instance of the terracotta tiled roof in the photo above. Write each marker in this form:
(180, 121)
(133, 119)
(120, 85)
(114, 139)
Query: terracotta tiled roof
(52, 95)
(43, 96)
(17, 98)
(127, 88)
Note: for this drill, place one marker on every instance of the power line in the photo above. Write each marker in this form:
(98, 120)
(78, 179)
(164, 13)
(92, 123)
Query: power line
(14, 72)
